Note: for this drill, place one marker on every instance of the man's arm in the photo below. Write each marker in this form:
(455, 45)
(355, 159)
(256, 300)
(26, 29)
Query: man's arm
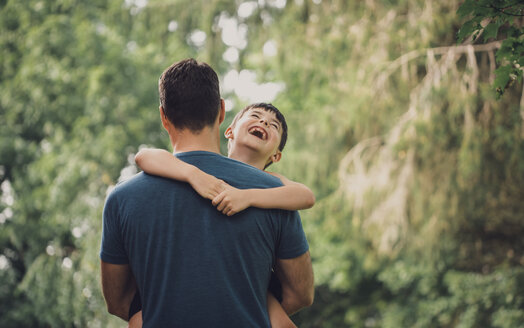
(119, 288)
(296, 277)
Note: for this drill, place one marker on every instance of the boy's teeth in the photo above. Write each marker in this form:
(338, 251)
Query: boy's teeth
(257, 132)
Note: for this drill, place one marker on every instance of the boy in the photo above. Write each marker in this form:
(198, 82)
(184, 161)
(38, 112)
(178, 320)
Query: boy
(257, 137)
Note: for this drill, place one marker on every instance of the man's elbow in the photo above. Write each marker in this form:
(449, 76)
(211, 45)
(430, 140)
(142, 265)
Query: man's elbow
(295, 303)
(304, 299)
(117, 311)
(112, 309)
(308, 298)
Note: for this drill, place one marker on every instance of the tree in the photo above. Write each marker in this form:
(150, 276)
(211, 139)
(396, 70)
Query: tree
(417, 169)
(493, 20)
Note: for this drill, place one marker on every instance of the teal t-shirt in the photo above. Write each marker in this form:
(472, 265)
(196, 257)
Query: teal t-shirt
(194, 266)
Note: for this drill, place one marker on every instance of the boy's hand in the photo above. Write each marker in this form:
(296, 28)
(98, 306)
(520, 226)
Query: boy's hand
(231, 200)
(206, 185)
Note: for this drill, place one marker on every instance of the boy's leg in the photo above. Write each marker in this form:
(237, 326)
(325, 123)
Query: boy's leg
(136, 320)
(135, 312)
(275, 287)
(277, 316)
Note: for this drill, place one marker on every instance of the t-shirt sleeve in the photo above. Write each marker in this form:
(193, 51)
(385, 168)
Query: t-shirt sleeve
(112, 247)
(293, 242)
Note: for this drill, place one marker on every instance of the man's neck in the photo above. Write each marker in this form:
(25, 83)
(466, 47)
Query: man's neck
(205, 140)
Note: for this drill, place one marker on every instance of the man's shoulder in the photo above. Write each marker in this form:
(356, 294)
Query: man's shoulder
(247, 176)
(130, 182)
(251, 177)
(138, 183)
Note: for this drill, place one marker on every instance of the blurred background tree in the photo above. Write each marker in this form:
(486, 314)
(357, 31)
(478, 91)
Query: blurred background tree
(417, 168)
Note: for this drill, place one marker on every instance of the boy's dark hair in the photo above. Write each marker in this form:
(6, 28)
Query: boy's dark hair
(270, 108)
(189, 94)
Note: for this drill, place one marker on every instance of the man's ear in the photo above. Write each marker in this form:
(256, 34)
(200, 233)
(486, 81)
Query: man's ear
(165, 121)
(228, 133)
(222, 114)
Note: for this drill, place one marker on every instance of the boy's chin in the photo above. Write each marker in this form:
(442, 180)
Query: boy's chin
(255, 144)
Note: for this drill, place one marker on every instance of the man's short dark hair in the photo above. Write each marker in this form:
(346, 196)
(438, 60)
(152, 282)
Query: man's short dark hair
(189, 94)
(270, 108)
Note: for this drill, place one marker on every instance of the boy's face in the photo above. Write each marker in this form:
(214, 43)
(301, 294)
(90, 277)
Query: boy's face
(258, 130)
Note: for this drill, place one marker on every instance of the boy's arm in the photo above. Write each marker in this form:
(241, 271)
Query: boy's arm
(162, 163)
(292, 196)
(296, 196)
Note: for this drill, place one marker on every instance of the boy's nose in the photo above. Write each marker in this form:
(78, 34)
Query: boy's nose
(264, 121)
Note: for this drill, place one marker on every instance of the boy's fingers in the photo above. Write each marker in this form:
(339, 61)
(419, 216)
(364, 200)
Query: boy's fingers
(216, 190)
(218, 198)
(222, 205)
(221, 186)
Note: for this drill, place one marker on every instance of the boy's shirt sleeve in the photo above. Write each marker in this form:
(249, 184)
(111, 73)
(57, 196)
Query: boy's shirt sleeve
(293, 242)
(112, 246)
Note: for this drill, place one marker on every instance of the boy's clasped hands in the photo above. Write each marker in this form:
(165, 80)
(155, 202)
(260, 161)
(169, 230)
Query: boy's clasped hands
(226, 198)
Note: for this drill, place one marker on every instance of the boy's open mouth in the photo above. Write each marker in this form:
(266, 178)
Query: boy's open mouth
(258, 132)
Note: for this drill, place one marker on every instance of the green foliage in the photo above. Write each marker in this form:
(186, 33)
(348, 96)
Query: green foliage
(418, 171)
(491, 19)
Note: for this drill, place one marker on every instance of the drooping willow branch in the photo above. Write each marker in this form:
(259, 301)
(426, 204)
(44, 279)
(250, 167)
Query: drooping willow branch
(461, 49)
(375, 165)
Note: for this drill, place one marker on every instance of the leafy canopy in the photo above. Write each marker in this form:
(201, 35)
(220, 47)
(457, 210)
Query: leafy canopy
(492, 20)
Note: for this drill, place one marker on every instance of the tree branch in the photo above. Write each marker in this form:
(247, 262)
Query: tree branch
(394, 65)
(503, 10)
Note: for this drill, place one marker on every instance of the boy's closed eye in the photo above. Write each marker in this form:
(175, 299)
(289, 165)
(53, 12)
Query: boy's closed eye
(273, 123)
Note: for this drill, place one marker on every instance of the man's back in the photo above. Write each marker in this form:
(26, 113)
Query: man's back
(194, 266)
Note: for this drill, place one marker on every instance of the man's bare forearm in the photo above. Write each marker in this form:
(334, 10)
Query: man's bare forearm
(119, 288)
(296, 277)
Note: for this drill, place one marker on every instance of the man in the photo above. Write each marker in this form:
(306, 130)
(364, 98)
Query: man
(195, 267)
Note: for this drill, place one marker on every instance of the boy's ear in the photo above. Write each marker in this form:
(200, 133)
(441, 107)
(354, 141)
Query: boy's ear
(228, 133)
(276, 156)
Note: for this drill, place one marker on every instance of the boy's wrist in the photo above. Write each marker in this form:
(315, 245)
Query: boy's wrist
(248, 194)
(190, 173)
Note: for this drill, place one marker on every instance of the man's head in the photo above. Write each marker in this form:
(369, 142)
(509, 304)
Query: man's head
(262, 127)
(189, 95)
